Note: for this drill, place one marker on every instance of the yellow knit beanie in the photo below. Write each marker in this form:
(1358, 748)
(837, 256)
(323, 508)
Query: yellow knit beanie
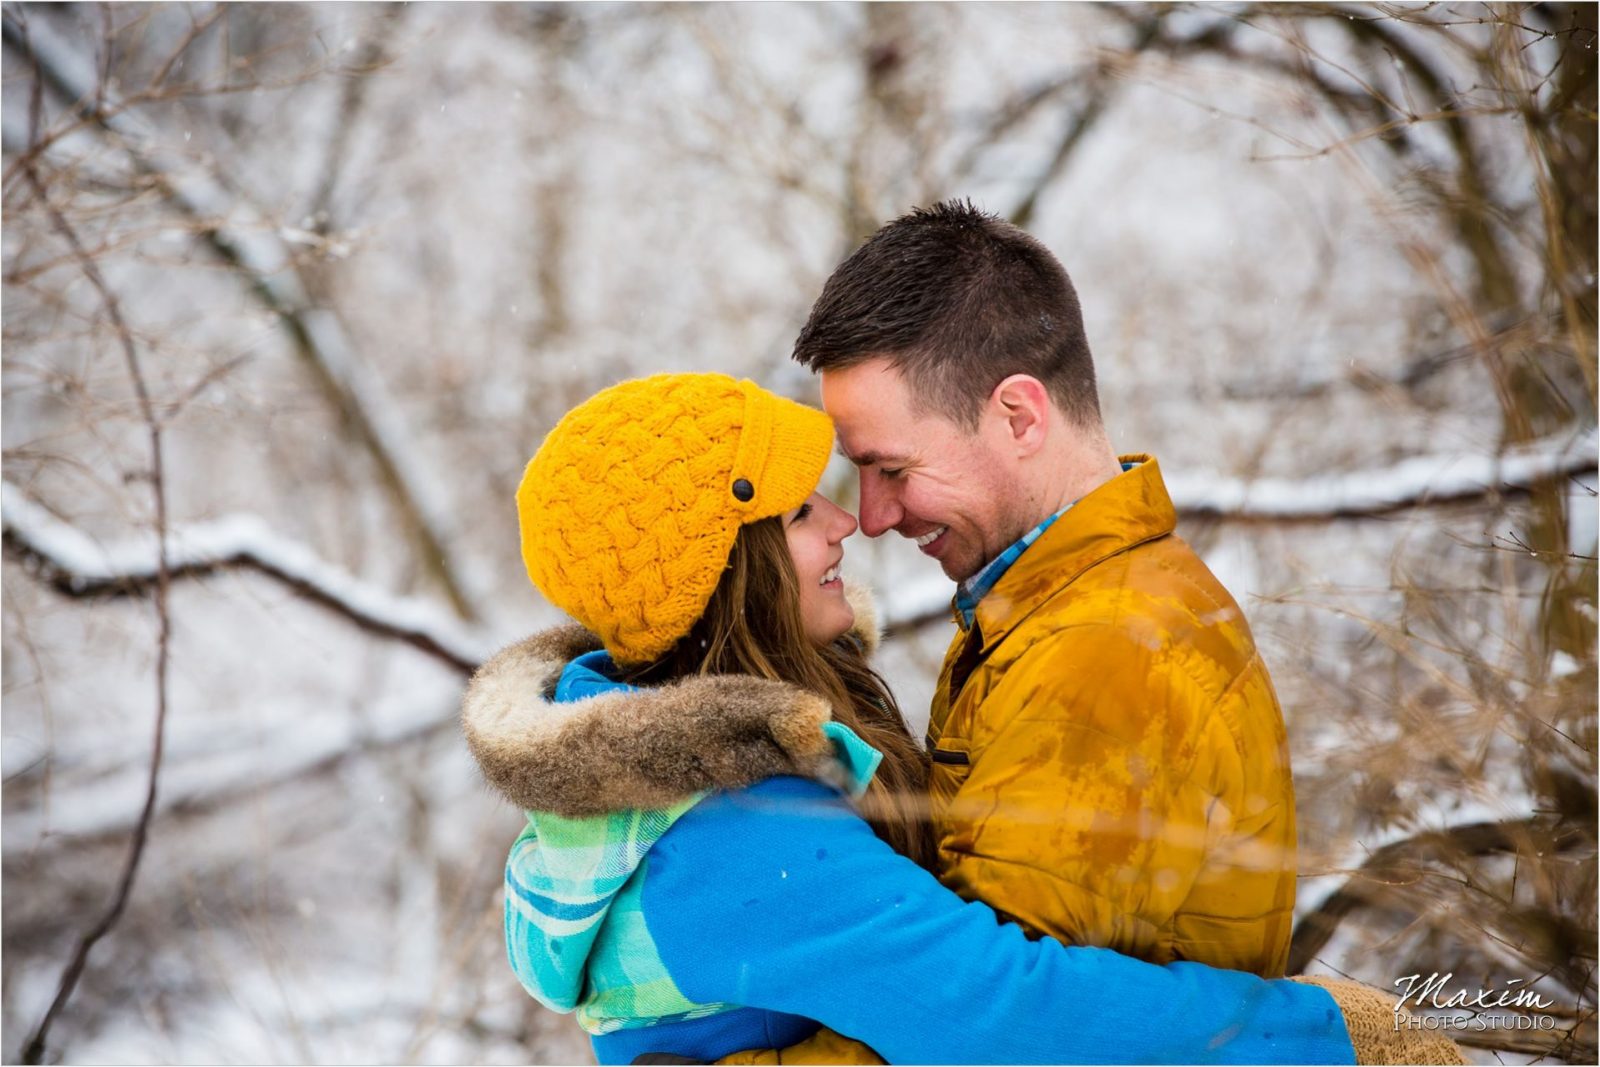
(630, 507)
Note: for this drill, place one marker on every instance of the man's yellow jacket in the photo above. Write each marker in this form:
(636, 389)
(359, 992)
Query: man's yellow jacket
(1110, 765)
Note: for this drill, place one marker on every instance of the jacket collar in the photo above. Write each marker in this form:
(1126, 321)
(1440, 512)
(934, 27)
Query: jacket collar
(609, 747)
(1128, 510)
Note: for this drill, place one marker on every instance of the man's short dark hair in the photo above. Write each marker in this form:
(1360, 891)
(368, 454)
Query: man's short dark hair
(957, 299)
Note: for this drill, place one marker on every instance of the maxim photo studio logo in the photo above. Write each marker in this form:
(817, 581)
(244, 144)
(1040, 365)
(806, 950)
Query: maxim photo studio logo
(1436, 1005)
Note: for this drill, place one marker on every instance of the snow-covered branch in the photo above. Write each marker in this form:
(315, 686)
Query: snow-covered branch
(77, 566)
(1415, 482)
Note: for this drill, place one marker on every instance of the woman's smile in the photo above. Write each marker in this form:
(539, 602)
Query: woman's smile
(816, 531)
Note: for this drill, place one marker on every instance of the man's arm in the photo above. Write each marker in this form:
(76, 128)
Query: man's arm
(779, 897)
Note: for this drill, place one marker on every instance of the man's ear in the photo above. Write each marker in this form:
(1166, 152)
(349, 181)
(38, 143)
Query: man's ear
(1023, 404)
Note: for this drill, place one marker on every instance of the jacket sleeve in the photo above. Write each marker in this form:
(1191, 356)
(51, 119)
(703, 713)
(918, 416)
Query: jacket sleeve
(780, 897)
(1100, 787)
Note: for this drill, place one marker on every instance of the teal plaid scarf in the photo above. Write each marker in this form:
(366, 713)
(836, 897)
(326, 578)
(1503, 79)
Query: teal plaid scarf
(575, 932)
(573, 927)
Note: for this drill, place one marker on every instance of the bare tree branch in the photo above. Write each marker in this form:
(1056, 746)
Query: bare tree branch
(1404, 865)
(1410, 372)
(1569, 1044)
(1007, 117)
(1401, 863)
(85, 113)
(33, 1049)
(240, 234)
(74, 566)
(374, 55)
(1100, 96)
(196, 28)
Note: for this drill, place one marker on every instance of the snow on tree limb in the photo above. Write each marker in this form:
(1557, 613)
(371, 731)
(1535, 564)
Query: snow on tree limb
(1415, 482)
(76, 566)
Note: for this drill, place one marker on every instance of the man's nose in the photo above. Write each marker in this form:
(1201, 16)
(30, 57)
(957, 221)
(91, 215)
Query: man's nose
(879, 512)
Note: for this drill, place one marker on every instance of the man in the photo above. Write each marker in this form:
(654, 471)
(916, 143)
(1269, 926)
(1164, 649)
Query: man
(1109, 764)
(1109, 759)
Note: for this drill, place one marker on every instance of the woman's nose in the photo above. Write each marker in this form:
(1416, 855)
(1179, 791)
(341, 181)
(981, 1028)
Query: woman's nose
(845, 525)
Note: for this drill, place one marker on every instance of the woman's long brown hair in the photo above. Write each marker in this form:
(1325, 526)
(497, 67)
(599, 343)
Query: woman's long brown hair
(753, 625)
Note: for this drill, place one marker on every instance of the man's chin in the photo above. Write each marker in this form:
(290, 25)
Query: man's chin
(958, 570)
(956, 563)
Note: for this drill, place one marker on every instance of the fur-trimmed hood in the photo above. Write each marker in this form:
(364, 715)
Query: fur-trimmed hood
(643, 748)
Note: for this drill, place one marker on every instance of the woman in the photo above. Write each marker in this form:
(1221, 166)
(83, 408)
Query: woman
(694, 879)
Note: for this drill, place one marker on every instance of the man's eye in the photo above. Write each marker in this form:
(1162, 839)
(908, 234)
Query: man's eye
(891, 472)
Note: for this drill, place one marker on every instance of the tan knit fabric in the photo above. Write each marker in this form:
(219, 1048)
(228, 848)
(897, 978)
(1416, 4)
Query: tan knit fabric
(823, 1047)
(1372, 1020)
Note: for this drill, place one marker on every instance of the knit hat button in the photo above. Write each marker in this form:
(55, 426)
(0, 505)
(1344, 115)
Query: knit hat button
(743, 490)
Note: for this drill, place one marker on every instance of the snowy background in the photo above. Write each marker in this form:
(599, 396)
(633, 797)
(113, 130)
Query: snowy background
(1337, 266)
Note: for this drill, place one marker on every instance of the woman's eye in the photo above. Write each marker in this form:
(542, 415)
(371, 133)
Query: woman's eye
(800, 513)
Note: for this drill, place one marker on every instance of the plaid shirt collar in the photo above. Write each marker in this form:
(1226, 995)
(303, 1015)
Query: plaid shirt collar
(974, 589)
